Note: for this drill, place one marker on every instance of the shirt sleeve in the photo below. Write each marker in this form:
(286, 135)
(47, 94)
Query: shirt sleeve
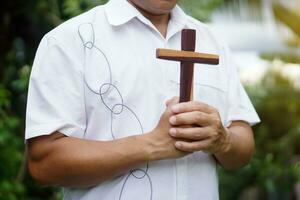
(55, 96)
(239, 106)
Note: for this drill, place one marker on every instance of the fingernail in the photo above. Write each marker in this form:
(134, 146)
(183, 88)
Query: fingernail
(172, 120)
(175, 108)
(173, 131)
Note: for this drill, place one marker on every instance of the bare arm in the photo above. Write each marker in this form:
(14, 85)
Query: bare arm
(67, 161)
(240, 146)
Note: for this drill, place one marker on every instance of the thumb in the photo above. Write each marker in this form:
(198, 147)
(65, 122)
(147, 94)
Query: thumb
(172, 101)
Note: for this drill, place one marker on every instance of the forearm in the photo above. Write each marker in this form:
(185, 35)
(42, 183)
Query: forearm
(66, 161)
(76, 162)
(240, 147)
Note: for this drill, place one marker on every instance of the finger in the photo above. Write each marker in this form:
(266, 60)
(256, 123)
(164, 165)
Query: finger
(193, 106)
(193, 146)
(172, 101)
(197, 133)
(169, 104)
(191, 118)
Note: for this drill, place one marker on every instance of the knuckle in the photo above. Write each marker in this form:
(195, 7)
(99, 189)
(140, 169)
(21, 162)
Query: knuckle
(198, 116)
(187, 147)
(179, 132)
(198, 134)
(185, 106)
(212, 133)
(196, 103)
(192, 147)
(178, 119)
(217, 123)
(204, 105)
(213, 109)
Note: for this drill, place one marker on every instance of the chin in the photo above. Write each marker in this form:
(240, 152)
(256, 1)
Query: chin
(157, 7)
(163, 6)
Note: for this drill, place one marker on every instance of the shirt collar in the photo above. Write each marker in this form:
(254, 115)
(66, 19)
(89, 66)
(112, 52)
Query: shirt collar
(178, 16)
(120, 12)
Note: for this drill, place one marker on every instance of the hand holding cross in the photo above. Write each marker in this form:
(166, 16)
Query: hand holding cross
(187, 57)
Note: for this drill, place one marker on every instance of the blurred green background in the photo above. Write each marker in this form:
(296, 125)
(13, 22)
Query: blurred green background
(268, 58)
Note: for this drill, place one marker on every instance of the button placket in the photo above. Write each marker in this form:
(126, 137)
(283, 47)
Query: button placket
(181, 178)
(174, 83)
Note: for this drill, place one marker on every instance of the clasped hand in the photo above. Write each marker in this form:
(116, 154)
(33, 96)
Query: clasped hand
(197, 127)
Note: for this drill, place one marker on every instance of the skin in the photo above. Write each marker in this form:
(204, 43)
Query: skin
(56, 159)
(157, 11)
(198, 127)
(182, 129)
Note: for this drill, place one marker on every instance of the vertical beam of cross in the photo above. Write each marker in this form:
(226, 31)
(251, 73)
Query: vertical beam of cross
(187, 57)
(188, 42)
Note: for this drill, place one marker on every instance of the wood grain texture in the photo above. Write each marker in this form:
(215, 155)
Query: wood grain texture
(188, 43)
(187, 56)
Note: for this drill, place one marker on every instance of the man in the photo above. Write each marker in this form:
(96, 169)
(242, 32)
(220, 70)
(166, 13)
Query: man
(97, 123)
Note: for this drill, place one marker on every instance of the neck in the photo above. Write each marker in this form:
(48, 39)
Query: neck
(160, 21)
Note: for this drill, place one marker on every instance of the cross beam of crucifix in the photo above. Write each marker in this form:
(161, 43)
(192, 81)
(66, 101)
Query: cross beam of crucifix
(187, 57)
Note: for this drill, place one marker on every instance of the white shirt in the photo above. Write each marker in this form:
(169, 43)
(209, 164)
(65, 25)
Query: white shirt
(96, 77)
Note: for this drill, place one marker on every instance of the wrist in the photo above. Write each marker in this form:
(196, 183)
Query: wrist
(227, 143)
(147, 145)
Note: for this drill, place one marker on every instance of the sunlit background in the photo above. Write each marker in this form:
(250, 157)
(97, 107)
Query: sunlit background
(264, 36)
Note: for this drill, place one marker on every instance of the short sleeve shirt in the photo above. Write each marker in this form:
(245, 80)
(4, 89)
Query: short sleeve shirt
(96, 77)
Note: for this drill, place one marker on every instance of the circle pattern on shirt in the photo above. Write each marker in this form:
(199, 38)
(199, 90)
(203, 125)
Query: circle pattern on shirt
(87, 35)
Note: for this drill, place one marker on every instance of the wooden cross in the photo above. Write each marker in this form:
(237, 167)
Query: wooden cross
(187, 57)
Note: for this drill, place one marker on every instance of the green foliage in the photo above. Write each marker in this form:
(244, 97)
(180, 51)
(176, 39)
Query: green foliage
(75, 7)
(23, 24)
(200, 9)
(288, 17)
(274, 169)
(11, 148)
(285, 57)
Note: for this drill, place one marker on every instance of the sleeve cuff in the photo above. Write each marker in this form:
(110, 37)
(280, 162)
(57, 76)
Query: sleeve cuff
(251, 119)
(48, 129)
